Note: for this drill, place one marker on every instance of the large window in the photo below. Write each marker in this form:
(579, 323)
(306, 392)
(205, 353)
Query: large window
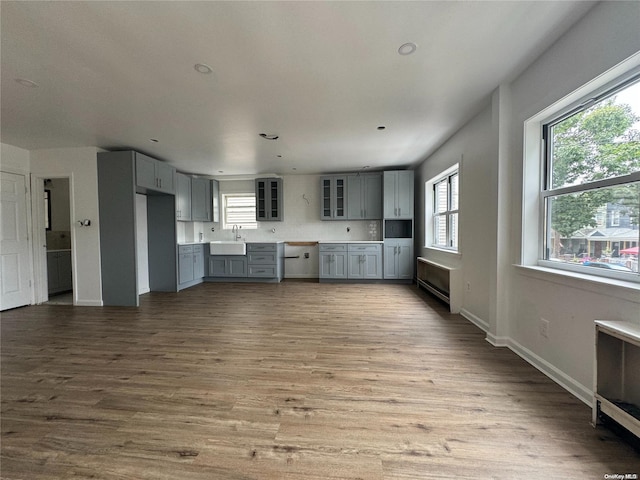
(239, 209)
(445, 210)
(591, 187)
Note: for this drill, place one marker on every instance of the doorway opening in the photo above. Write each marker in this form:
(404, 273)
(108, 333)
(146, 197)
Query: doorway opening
(57, 231)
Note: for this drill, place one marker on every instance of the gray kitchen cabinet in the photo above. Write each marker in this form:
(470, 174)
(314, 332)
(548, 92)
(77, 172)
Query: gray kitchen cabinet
(265, 260)
(398, 258)
(398, 194)
(190, 265)
(201, 200)
(364, 261)
(118, 175)
(198, 262)
(183, 197)
(364, 196)
(227, 266)
(333, 197)
(333, 260)
(185, 264)
(153, 174)
(59, 277)
(269, 200)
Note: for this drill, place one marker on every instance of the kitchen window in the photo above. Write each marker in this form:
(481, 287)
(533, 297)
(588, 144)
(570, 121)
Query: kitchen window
(443, 208)
(239, 209)
(590, 190)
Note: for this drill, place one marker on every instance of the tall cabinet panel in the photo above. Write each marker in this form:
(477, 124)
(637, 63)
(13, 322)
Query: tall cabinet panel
(120, 174)
(201, 201)
(398, 225)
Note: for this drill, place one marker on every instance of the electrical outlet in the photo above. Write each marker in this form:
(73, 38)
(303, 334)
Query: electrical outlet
(306, 254)
(544, 327)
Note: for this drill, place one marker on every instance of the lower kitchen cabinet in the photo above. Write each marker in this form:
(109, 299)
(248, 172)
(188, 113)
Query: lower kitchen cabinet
(333, 260)
(365, 261)
(227, 266)
(350, 261)
(190, 265)
(59, 276)
(398, 259)
(265, 260)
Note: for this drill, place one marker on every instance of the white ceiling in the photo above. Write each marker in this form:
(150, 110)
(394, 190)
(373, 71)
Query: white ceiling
(321, 75)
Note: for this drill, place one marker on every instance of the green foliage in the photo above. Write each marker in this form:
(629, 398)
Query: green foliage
(594, 144)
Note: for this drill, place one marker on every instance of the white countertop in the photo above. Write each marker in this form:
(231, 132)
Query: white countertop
(350, 241)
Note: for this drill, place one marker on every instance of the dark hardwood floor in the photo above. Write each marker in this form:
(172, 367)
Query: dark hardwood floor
(285, 381)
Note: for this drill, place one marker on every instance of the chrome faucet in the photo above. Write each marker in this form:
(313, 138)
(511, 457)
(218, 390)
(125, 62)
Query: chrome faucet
(236, 232)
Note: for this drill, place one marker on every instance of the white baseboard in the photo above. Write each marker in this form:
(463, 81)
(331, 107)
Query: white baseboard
(477, 321)
(565, 381)
(88, 303)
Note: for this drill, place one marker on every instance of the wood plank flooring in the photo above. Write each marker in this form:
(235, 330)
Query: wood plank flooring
(290, 381)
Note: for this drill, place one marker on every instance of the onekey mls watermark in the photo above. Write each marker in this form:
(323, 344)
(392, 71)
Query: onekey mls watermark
(621, 476)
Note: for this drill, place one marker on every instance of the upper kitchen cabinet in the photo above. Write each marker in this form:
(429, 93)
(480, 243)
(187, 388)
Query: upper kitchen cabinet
(201, 200)
(183, 197)
(398, 194)
(333, 195)
(364, 196)
(152, 174)
(269, 200)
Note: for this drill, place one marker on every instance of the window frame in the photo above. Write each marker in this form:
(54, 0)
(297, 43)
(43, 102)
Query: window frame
(226, 225)
(432, 214)
(546, 191)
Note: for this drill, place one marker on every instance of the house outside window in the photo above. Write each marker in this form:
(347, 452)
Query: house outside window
(239, 209)
(444, 209)
(590, 197)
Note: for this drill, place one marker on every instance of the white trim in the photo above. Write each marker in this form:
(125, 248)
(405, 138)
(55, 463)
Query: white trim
(624, 290)
(565, 381)
(477, 321)
(301, 275)
(88, 303)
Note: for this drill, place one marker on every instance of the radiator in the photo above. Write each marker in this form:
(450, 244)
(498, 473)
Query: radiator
(434, 278)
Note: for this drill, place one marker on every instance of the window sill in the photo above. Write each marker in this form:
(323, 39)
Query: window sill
(455, 253)
(625, 290)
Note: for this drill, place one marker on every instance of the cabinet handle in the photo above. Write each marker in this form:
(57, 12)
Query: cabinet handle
(399, 211)
(160, 180)
(395, 211)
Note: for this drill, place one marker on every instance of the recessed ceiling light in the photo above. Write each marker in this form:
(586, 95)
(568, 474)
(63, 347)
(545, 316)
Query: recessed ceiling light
(381, 127)
(203, 68)
(220, 171)
(27, 83)
(269, 136)
(279, 156)
(294, 168)
(154, 140)
(407, 48)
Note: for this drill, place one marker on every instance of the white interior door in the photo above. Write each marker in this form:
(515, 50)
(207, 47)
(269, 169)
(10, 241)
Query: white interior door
(15, 288)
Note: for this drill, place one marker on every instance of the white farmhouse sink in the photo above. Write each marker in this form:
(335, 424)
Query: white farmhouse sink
(227, 248)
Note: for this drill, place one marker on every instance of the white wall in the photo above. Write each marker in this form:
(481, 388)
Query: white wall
(505, 300)
(14, 159)
(474, 147)
(606, 36)
(80, 165)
